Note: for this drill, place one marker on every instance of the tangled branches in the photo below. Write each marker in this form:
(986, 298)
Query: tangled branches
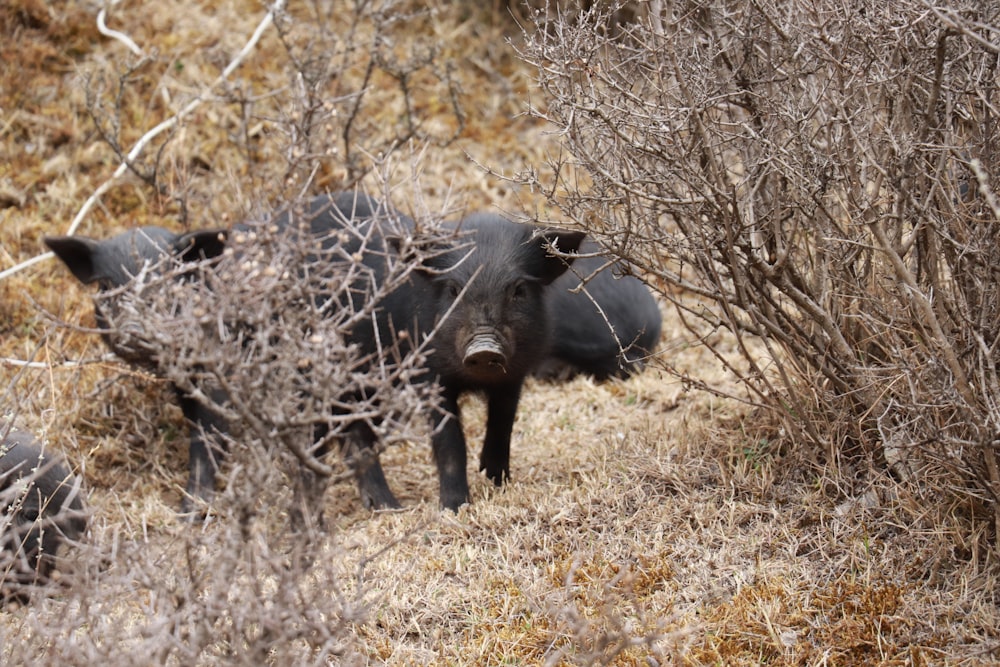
(262, 332)
(818, 178)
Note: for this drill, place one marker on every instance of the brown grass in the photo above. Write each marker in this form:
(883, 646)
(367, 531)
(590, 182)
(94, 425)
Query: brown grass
(645, 524)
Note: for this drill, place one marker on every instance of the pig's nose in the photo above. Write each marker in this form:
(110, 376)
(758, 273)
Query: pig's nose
(484, 352)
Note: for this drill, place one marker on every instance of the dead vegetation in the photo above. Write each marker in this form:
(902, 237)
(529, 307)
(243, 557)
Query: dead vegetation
(818, 180)
(646, 523)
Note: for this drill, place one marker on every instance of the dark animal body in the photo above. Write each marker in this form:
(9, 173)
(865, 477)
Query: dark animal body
(498, 333)
(41, 505)
(606, 331)
(482, 296)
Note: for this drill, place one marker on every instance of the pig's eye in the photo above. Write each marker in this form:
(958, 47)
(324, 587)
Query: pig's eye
(520, 291)
(454, 290)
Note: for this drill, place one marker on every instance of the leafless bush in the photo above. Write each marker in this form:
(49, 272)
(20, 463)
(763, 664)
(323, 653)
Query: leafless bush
(320, 126)
(817, 178)
(246, 589)
(260, 335)
(616, 15)
(347, 94)
(263, 337)
(259, 581)
(348, 100)
(338, 58)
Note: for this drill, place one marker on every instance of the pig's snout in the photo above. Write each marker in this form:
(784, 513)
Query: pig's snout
(128, 340)
(484, 353)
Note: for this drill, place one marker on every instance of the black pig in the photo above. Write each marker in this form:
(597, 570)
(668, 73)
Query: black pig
(113, 263)
(487, 303)
(482, 296)
(41, 504)
(497, 334)
(582, 341)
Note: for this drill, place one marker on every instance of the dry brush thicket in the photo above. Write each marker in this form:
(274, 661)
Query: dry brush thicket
(819, 178)
(262, 337)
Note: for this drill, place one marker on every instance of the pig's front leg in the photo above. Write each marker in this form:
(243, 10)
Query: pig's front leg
(502, 408)
(205, 454)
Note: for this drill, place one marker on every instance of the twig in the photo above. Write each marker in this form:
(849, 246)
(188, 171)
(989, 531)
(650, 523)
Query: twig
(20, 363)
(25, 264)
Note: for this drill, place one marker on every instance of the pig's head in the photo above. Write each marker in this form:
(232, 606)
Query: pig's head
(490, 298)
(112, 264)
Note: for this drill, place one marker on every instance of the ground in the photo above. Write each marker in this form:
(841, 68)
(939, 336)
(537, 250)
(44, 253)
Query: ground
(644, 523)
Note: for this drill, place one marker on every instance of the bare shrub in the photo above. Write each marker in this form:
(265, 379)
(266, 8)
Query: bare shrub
(259, 581)
(262, 336)
(817, 178)
(320, 125)
(249, 587)
(616, 14)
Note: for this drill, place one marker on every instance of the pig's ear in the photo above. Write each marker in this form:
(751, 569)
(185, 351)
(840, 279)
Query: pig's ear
(77, 253)
(565, 242)
(202, 244)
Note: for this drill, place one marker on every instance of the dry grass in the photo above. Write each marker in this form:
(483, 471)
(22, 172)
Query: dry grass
(645, 524)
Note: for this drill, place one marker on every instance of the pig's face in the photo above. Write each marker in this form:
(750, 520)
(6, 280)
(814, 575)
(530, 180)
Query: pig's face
(490, 299)
(112, 264)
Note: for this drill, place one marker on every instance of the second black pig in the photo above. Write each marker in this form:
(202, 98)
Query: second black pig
(606, 331)
(112, 264)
